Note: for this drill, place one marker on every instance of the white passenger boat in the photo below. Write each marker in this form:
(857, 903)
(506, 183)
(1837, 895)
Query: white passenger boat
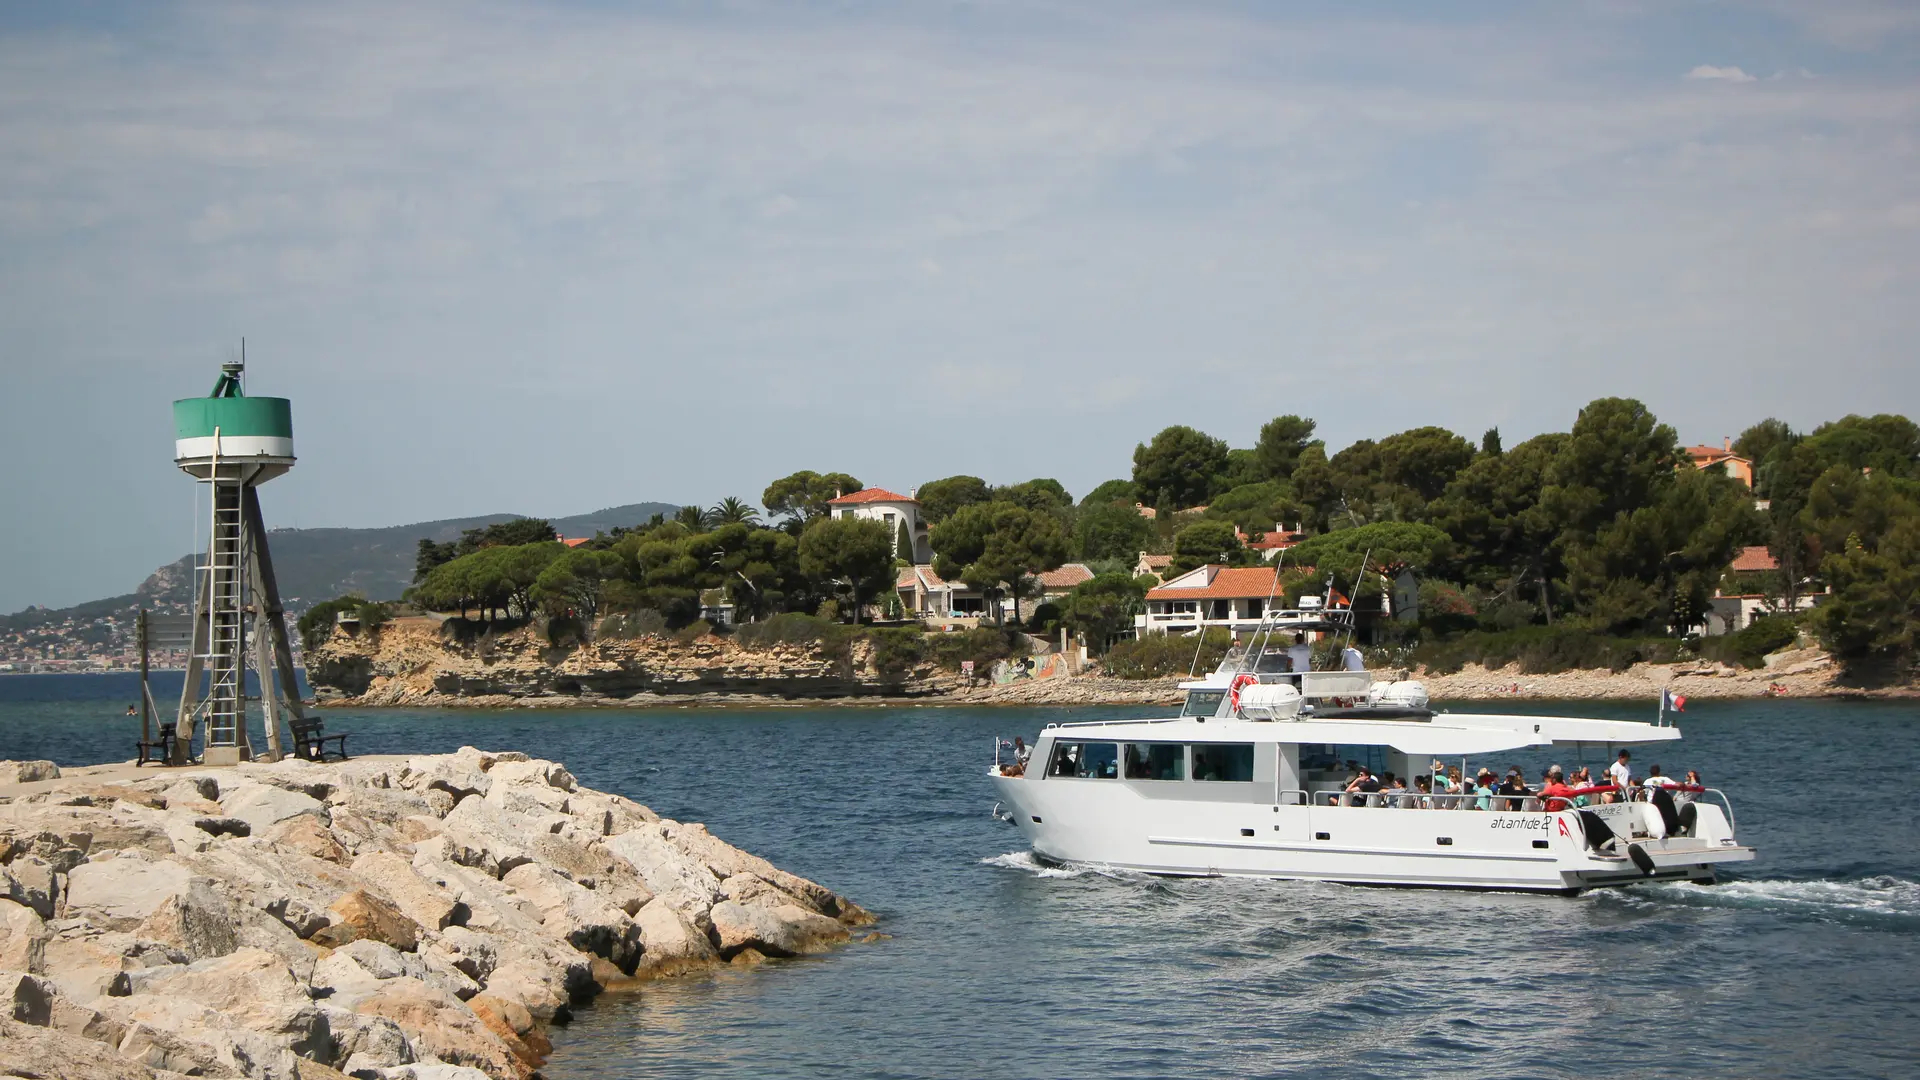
(1251, 780)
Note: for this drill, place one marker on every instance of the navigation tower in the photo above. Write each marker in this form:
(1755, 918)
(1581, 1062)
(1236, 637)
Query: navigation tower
(234, 443)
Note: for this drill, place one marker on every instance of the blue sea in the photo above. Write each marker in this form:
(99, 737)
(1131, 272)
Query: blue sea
(1802, 964)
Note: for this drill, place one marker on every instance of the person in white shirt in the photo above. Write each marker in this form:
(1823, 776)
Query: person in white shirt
(1621, 773)
(1300, 654)
(1655, 780)
(1351, 659)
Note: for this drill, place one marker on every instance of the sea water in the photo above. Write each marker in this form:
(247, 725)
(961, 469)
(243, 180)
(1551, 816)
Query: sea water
(1801, 964)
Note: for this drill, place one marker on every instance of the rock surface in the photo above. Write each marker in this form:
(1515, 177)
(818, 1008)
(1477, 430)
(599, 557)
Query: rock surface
(380, 918)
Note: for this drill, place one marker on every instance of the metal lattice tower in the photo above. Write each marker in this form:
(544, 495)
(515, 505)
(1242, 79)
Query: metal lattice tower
(234, 443)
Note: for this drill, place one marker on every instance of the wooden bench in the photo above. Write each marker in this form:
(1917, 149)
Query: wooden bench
(310, 740)
(159, 751)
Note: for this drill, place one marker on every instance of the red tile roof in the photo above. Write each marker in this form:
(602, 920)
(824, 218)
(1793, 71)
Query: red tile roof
(1066, 577)
(922, 574)
(1227, 583)
(1708, 455)
(1755, 558)
(574, 541)
(869, 495)
(1155, 561)
(1274, 540)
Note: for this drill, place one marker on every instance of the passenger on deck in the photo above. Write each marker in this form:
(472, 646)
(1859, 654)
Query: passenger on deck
(1688, 790)
(1423, 785)
(1482, 790)
(1396, 793)
(1655, 780)
(1362, 786)
(1457, 786)
(1621, 772)
(1555, 794)
(1515, 785)
(1582, 778)
(1300, 654)
(1351, 660)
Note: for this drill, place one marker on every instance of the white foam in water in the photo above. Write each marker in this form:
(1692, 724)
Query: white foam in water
(1024, 860)
(1881, 895)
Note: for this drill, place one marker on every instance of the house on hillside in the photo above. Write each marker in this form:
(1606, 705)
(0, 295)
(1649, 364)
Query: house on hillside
(1753, 573)
(890, 509)
(938, 601)
(1723, 458)
(1235, 598)
(1154, 566)
(1273, 543)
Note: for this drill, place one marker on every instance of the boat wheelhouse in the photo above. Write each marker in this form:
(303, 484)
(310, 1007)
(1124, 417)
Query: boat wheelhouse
(1254, 778)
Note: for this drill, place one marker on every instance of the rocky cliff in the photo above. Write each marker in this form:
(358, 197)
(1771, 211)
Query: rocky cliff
(424, 918)
(420, 662)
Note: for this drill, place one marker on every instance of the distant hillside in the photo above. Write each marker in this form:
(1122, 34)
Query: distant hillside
(318, 564)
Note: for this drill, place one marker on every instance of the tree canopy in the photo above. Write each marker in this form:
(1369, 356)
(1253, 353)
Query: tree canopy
(1178, 468)
(995, 546)
(805, 494)
(850, 556)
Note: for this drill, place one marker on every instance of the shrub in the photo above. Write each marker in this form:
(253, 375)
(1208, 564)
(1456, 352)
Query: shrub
(1154, 656)
(1749, 645)
(797, 628)
(983, 645)
(693, 631)
(316, 624)
(1045, 618)
(897, 650)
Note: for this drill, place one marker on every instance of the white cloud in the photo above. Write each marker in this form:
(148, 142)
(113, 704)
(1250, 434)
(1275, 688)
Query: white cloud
(1724, 74)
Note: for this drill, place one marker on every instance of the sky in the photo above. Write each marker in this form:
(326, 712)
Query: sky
(546, 258)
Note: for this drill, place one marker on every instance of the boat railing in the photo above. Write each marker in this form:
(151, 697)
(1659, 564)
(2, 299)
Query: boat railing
(1064, 725)
(1532, 803)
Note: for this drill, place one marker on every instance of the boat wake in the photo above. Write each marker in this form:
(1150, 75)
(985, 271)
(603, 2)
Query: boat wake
(1026, 862)
(1881, 899)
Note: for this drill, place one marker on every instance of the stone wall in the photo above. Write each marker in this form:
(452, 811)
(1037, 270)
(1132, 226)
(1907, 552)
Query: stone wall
(390, 919)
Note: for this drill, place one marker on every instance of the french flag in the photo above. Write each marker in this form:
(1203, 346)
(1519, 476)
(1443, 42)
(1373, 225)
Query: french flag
(1671, 700)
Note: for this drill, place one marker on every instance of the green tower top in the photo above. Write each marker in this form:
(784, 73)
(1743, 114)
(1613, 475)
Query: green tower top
(258, 429)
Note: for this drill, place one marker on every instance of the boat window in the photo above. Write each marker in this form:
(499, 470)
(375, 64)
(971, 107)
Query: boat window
(1085, 760)
(1223, 761)
(1155, 761)
(1203, 702)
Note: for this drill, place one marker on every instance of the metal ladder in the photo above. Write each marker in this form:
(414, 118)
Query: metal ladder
(225, 657)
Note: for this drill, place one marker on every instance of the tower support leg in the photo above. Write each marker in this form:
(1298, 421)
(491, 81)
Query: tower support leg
(196, 665)
(267, 597)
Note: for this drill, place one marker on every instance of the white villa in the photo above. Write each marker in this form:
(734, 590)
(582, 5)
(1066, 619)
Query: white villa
(1231, 597)
(936, 600)
(890, 509)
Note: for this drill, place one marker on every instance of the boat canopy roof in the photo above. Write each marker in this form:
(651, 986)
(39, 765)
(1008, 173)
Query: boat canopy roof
(1445, 735)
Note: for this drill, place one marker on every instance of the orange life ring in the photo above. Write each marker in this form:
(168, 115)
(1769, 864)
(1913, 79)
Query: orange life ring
(1245, 678)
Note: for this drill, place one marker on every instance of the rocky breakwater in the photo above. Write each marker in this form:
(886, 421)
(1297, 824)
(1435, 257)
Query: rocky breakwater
(420, 661)
(424, 918)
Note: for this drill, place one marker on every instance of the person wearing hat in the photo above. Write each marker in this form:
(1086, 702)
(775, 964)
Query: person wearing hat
(1482, 788)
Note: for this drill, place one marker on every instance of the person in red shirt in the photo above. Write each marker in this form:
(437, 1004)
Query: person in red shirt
(1556, 793)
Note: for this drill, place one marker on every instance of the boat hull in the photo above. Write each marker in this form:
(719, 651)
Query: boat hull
(1135, 827)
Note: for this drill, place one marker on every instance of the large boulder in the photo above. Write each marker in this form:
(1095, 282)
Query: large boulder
(423, 901)
(306, 834)
(670, 873)
(31, 881)
(23, 938)
(785, 930)
(578, 915)
(255, 990)
(34, 1051)
(27, 772)
(361, 915)
(120, 893)
(262, 806)
(92, 829)
(441, 1025)
(90, 963)
(670, 943)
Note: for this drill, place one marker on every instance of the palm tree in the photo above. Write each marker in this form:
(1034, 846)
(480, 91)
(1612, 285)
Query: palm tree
(732, 511)
(692, 517)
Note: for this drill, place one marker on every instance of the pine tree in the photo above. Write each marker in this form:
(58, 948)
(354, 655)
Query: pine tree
(903, 543)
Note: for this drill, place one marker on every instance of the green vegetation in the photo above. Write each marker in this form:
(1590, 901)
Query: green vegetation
(1596, 546)
(317, 622)
(1156, 656)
